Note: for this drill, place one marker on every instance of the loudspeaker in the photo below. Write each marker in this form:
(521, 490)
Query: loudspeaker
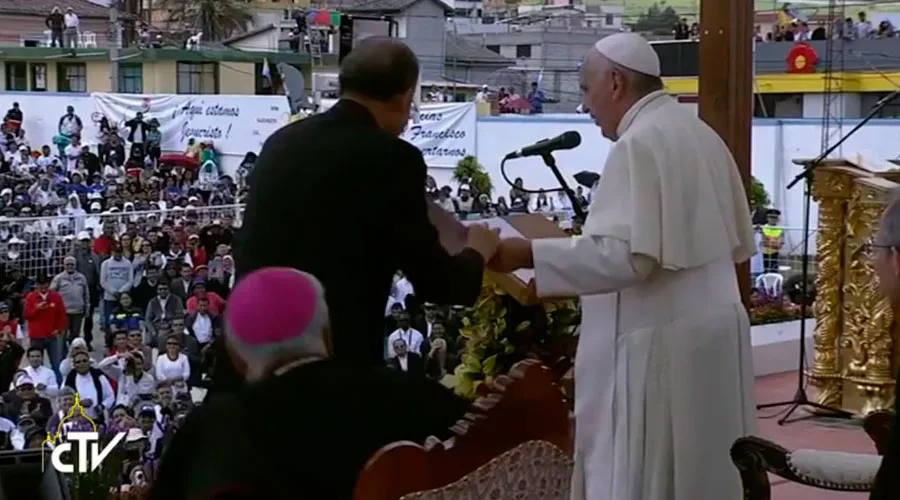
(345, 37)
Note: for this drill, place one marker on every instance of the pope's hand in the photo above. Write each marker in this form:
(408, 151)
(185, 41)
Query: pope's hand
(483, 240)
(512, 254)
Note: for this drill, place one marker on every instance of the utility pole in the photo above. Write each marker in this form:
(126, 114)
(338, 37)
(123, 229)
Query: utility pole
(116, 40)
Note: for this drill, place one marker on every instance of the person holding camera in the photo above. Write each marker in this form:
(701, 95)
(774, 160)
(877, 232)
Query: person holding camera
(133, 382)
(45, 319)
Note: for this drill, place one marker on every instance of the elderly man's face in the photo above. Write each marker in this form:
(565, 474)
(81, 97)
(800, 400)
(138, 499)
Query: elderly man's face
(603, 91)
(66, 403)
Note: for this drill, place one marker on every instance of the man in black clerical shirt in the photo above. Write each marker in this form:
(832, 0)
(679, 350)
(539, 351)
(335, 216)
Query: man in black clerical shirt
(296, 215)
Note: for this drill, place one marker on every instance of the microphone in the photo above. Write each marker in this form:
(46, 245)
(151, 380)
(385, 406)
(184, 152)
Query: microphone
(566, 140)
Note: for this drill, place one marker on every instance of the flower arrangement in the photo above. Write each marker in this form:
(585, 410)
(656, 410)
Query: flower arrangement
(766, 309)
(499, 332)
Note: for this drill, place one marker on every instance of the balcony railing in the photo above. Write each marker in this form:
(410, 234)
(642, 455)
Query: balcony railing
(84, 40)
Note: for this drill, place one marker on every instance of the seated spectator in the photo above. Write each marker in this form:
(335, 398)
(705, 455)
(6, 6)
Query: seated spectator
(277, 323)
(25, 401)
(44, 379)
(405, 361)
(95, 392)
(173, 366)
(216, 303)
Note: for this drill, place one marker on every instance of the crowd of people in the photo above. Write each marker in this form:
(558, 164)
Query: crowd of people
(108, 240)
(795, 27)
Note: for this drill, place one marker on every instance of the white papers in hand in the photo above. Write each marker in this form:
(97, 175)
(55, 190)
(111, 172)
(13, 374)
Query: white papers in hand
(506, 231)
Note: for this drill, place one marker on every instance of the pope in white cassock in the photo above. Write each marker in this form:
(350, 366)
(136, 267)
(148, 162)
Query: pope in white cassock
(663, 375)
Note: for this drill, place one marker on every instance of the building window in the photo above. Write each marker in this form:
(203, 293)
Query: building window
(869, 100)
(71, 77)
(778, 106)
(493, 48)
(16, 76)
(131, 78)
(609, 19)
(198, 78)
(38, 77)
(523, 51)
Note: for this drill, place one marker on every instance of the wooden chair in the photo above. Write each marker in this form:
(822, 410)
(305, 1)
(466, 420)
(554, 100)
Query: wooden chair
(516, 437)
(756, 458)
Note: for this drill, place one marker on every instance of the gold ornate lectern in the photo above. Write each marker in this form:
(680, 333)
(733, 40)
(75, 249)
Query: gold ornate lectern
(854, 341)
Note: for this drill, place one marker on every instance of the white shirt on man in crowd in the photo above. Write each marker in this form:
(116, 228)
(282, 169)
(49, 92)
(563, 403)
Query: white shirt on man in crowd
(84, 386)
(202, 327)
(44, 379)
(73, 152)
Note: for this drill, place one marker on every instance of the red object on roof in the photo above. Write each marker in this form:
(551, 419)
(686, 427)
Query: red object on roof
(322, 18)
(802, 59)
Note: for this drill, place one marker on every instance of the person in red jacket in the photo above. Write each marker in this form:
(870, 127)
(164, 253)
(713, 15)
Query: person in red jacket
(216, 302)
(198, 253)
(45, 320)
(104, 244)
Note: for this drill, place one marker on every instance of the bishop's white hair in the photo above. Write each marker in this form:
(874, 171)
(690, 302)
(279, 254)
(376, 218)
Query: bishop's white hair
(308, 344)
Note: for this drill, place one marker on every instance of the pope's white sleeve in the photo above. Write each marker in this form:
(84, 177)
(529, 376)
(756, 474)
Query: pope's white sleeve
(586, 265)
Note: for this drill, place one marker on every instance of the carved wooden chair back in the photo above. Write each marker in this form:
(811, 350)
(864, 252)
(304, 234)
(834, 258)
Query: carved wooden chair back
(519, 428)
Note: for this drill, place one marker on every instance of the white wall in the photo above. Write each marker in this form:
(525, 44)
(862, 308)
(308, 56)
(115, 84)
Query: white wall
(776, 143)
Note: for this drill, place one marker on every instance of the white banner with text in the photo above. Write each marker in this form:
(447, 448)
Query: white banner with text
(445, 132)
(235, 124)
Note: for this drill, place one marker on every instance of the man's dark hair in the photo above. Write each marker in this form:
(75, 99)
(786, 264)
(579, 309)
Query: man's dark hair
(43, 279)
(379, 68)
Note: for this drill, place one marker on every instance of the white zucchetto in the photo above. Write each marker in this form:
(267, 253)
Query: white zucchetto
(631, 51)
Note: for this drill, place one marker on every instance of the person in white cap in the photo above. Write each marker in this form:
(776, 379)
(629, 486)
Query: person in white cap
(663, 375)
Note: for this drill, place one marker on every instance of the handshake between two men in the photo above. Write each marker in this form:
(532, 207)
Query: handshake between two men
(501, 255)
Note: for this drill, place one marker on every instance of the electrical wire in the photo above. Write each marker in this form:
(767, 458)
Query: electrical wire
(527, 191)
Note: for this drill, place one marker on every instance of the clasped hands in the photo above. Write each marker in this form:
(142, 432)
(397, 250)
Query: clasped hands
(501, 255)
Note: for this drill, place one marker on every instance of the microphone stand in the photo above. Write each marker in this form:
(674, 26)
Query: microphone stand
(800, 397)
(580, 215)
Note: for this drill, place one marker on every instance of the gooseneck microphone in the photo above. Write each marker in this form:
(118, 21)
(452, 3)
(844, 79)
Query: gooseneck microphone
(566, 140)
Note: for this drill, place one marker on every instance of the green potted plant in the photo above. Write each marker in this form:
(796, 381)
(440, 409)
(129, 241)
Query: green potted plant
(469, 171)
